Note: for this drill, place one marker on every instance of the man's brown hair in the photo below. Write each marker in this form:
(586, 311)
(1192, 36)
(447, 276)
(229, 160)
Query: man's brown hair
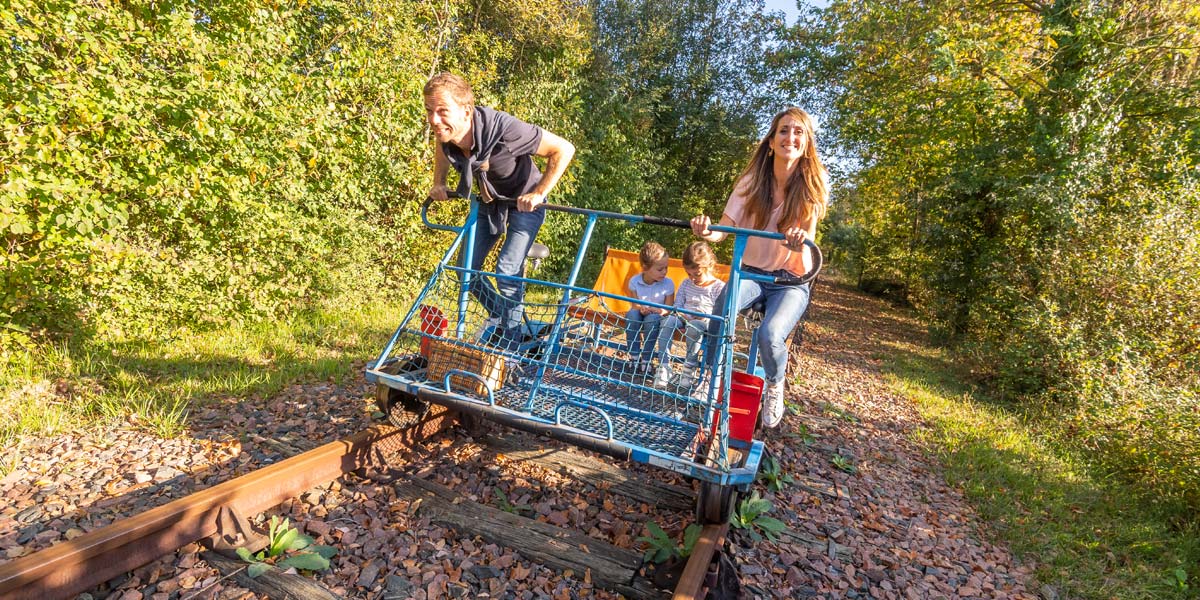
(452, 84)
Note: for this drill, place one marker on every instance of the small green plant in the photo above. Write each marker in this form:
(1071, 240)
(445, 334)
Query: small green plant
(751, 515)
(1180, 579)
(844, 464)
(662, 548)
(802, 433)
(773, 474)
(839, 412)
(691, 534)
(287, 548)
(507, 506)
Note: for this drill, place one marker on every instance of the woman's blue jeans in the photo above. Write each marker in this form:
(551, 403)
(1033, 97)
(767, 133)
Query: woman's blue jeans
(785, 305)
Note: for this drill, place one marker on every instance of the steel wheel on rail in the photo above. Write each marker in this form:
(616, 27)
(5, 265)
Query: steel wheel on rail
(714, 503)
(402, 409)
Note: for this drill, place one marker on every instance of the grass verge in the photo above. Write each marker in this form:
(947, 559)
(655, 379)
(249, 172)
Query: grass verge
(155, 384)
(1091, 536)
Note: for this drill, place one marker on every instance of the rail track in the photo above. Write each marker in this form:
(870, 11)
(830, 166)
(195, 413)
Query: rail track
(219, 515)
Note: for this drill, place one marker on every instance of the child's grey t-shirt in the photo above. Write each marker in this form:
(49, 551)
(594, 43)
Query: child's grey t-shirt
(701, 299)
(651, 292)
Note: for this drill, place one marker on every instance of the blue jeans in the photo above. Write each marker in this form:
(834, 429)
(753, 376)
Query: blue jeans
(693, 332)
(640, 333)
(505, 299)
(785, 304)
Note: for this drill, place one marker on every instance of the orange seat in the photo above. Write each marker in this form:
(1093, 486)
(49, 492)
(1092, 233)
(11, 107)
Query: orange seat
(619, 266)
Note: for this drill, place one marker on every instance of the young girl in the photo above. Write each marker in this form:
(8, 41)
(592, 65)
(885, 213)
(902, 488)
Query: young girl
(783, 190)
(651, 285)
(697, 293)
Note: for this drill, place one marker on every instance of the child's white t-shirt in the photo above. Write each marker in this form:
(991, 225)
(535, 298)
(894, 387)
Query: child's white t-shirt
(651, 292)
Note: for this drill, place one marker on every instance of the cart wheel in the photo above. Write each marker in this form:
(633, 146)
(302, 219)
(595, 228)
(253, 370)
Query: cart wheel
(714, 503)
(475, 426)
(402, 409)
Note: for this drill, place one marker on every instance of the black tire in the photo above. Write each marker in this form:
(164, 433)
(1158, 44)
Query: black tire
(714, 503)
(400, 408)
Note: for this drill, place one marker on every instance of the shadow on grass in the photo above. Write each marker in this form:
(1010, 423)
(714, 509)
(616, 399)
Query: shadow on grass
(1093, 537)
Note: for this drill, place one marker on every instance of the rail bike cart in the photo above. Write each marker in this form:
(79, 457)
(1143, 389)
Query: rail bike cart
(566, 370)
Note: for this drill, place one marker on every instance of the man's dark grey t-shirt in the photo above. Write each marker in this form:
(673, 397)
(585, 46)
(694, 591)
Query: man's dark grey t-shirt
(506, 144)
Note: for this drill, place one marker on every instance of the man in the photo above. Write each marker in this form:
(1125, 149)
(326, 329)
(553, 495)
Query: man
(494, 150)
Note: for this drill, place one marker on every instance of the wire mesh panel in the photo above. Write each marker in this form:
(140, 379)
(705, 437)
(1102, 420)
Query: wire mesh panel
(641, 383)
(591, 366)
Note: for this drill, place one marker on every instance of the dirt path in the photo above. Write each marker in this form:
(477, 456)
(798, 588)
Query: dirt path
(910, 535)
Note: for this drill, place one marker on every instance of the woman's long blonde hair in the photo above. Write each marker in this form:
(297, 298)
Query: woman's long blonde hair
(806, 190)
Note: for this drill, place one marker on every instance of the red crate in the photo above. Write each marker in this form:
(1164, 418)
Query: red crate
(746, 393)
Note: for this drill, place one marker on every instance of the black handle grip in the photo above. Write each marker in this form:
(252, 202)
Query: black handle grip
(669, 222)
(818, 261)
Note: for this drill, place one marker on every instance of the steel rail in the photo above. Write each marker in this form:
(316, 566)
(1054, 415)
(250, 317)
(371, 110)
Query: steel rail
(694, 579)
(68, 568)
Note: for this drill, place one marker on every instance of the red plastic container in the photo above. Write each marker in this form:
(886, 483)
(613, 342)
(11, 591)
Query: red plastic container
(433, 322)
(745, 391)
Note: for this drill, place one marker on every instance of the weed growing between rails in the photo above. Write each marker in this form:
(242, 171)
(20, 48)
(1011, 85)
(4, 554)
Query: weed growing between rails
(1091, 535)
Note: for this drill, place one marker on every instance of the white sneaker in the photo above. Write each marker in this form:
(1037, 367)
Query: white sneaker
(773, 405)
(489, 329)
(662, 376)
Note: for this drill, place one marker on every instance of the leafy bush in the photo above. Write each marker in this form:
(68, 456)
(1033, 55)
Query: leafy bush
(171, 165)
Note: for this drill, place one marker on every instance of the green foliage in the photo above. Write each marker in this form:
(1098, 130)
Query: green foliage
(801, 432)
(662, 548)
(1094, 535)
(1179, 579)
(287, 548)
(751, 516)
(55, 388)
(839, 412)
(677, 97)
(771, 472)
(1031, 177)
(169, 165)
(843, 464)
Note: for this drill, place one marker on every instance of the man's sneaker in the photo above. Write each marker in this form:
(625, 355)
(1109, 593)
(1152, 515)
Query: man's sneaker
(662, 376)
(488, 331)
(773, 405)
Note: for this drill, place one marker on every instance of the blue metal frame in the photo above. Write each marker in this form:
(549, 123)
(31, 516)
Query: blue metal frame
(542, 400)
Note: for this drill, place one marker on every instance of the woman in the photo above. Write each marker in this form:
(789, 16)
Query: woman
(784, 189)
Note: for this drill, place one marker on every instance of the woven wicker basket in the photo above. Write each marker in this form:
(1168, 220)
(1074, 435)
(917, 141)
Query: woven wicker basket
(445, 356)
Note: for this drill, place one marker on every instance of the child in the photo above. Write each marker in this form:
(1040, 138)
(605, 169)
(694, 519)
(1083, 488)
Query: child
(652, 285)
(697, 293)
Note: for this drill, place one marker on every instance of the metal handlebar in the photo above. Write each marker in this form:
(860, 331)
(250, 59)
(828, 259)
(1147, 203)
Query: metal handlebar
(818, 259)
